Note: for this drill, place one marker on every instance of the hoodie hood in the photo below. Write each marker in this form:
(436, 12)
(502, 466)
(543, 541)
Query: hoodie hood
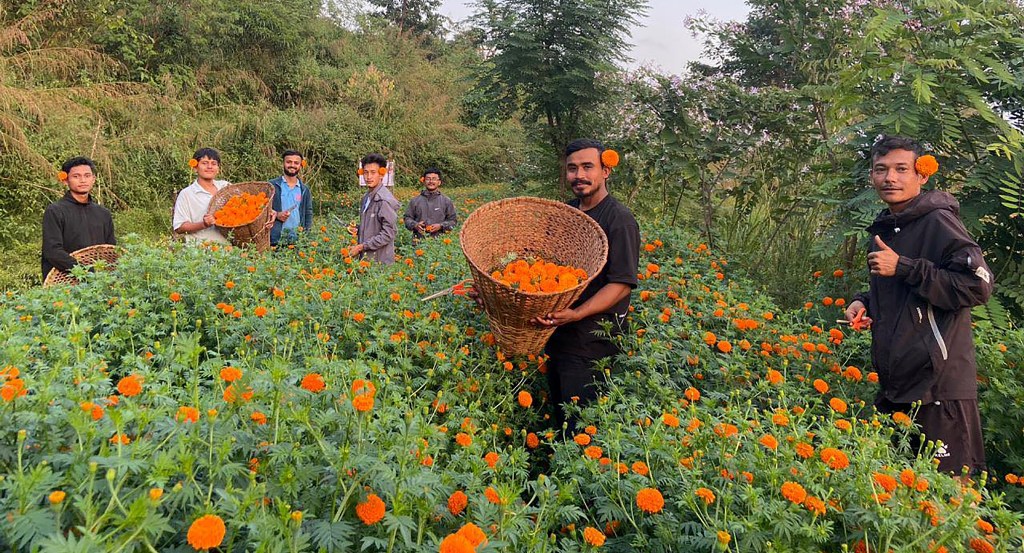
(925, 202)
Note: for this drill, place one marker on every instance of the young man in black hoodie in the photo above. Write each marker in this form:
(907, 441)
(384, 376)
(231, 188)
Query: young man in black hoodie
(926, 274)
(74, 221)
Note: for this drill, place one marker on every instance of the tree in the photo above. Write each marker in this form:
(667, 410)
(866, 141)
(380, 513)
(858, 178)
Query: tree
(419, 17)
(551, 57)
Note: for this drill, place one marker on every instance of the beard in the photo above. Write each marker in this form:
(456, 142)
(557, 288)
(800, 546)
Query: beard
(581, 193)
(291, 172)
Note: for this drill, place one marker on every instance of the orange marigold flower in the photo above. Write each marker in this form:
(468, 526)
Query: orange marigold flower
(313, 382)
(724, 346)
(692, 394)
(258, 418)
(206, 532)
(907, 477)
(230, 374)
(670, 420)
(769, 441)
(524, 398)
(457, 502)
(156, 493)
(130, 385)
(454, 543)
(779, 418)
(815, 505)
(372, 510)
(326, 295)
(473, 534)
(926, 165)
(834, 458)
(532, 441)
(362, 402)
(985, 526)
(650, 500)
(710, 338)
(187, 414)
(775, 377)
(593, 451)
(463, 439)
(640, 468)
(609, 158)
(492, 495)
(837, 405)
(707, 495)
(981, 545)
(492, 459)
(260, 311)
(175, 297)
(794, 492)
(887, 482)
(723, 537)
(582, 439)
(804, 450)
(901, 418)
(725, 429)
(57, 496)
(593, 536)
(838, 273)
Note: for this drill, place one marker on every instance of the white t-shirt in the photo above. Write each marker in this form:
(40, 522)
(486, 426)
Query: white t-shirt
(191, 206)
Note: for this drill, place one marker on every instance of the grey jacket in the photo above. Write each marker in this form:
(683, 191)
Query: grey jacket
(432, 208)
(377, 224)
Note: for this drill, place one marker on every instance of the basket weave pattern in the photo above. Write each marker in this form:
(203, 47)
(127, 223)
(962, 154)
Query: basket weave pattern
(528, 227)
(253, 233)
(85, 256)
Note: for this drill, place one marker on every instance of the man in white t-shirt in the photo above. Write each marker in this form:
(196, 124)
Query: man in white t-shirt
(190, 210)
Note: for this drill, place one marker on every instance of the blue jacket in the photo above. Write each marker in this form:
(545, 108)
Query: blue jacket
(305, 211)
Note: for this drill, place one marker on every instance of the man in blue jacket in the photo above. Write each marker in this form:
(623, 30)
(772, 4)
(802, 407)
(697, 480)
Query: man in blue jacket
(293, 202)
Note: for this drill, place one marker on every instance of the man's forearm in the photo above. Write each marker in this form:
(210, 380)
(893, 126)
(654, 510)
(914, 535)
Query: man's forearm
(605, 298)
(189, 228)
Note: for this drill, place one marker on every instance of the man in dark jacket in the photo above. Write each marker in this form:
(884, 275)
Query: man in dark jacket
(292, 202)
(431, 213)
(926, 274)
(74, 221)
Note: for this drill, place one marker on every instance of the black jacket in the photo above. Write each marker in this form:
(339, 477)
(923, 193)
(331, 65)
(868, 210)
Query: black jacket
(69, 226)
(433, 208)
(921, 343)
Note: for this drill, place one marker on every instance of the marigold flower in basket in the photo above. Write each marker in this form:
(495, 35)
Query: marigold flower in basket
(539, 276)
(926, 165)
(241, 209)
(609, 158)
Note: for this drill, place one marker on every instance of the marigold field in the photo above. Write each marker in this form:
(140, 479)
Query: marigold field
(304, 401)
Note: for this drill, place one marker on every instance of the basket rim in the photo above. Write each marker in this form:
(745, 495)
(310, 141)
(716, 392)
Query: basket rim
(542, 201)
(232, 189)
(56, 274)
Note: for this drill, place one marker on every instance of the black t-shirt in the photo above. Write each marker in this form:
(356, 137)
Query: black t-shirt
(623, 234)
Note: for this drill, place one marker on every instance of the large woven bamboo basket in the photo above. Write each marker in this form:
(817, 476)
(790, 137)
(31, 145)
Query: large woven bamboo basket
(528, 227)
(254, 233)
(85, 256)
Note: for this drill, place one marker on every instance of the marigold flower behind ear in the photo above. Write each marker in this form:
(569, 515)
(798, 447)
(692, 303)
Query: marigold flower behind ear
(62, 176)
(193, 163)
(359, 171)
(610, 158)
(304, 164)
(382, 171)
(927, 165)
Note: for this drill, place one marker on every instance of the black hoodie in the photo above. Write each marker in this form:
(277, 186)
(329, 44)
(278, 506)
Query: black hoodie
(921, 343)
(69, 226)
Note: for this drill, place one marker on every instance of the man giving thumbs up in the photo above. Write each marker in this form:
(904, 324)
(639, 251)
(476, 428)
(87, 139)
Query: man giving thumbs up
(926, 274)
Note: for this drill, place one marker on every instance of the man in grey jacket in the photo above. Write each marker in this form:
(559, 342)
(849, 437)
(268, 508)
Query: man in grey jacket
(378, 214)
(431, 213)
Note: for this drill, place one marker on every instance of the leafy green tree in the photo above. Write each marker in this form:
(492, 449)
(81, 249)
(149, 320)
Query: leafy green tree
(553, 58)
(419, 17)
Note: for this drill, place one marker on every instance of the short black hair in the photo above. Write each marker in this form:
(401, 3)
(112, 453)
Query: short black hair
(584, 144)
(886, 144)
(432, 170)
(374, 158)
(292, 153)
(207, 153)
(75, 162)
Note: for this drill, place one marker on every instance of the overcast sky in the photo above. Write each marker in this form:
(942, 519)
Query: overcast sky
(660, 40)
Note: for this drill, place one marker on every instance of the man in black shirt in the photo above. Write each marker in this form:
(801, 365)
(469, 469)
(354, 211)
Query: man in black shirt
(74, 221)
(578, 342)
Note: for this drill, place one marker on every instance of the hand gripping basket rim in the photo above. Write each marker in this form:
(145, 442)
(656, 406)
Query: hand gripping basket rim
(509, 310)
(84, 256)
(253, 231)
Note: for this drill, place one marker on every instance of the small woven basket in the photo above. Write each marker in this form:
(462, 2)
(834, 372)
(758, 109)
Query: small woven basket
(528, 227)
(254, 233)
(84, 256)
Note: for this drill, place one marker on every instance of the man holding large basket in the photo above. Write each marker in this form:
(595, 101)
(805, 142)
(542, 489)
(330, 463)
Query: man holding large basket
(579, 342)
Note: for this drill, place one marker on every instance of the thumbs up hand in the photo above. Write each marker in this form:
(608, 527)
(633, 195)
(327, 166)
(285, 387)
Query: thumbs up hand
(883, 260)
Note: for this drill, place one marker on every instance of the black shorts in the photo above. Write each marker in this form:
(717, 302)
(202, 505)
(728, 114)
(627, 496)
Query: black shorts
(954, 422)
